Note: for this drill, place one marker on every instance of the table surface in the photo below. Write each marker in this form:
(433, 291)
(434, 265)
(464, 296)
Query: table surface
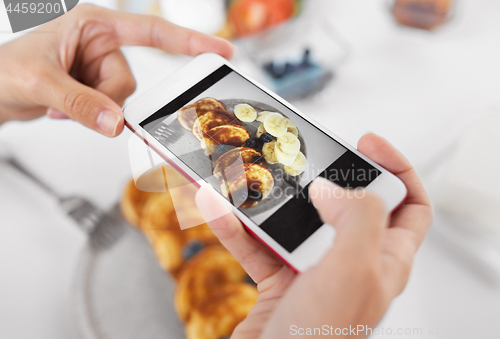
(410, 86)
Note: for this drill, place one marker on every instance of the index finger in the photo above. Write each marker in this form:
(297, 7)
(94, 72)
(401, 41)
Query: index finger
(153, 31)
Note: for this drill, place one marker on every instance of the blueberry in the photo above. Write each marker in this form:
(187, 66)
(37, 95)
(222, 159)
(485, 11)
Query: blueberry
(250, 281)
(257, 159)
(255, 195)
(266, 137)
(258, 145)
(251, 143)
(191, 249)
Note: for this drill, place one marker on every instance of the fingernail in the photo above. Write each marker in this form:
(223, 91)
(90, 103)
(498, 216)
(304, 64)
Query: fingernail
(55, 114)
(107, 122)
(367, 132)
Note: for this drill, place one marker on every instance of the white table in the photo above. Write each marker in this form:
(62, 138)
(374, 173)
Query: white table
(410, 86)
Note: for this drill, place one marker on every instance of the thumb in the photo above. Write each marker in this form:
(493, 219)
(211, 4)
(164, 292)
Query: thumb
(84, 104)
(359, 217)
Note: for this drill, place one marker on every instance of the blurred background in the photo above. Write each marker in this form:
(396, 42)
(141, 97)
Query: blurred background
(425, 74)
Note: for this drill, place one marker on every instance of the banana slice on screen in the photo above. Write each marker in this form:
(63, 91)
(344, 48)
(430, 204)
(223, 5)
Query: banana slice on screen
(291, 172)
(298, 166)
(245, 112)
(269, 153)
(289, 143)
(300, 163)
(292, 127)
(261, 116)
(284, 158)
(290, 123)
(293, 130)
(275, 124)
(261, 130)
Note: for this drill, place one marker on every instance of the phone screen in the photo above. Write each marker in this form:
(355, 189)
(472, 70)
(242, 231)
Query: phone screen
(256, 152)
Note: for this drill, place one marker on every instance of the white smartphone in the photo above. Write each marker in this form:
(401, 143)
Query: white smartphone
(219, 127)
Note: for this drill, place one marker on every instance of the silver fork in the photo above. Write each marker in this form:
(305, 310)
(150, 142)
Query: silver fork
(165, 133)
(104, 229)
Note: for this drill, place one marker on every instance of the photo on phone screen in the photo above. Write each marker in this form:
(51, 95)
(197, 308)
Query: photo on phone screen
(256, 152)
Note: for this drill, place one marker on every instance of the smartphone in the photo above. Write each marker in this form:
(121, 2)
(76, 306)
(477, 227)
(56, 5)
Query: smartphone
(218, 127)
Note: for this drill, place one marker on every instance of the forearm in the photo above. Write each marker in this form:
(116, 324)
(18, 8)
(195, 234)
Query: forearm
(21, 81)
(6, 83)
(3, 116)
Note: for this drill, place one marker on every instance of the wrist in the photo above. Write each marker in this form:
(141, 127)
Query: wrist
(4, 94)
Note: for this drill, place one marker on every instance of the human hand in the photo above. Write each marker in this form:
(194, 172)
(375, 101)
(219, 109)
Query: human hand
(72, 67)
(356, 281)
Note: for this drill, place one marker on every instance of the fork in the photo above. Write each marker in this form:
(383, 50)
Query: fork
(165, 133)
(102, 228)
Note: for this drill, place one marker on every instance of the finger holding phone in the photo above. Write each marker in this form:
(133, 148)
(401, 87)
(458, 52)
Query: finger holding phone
(73, 68)
(354, 284)
(80, 73)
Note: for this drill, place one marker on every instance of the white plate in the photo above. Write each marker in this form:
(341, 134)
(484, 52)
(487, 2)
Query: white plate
(123, 293)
